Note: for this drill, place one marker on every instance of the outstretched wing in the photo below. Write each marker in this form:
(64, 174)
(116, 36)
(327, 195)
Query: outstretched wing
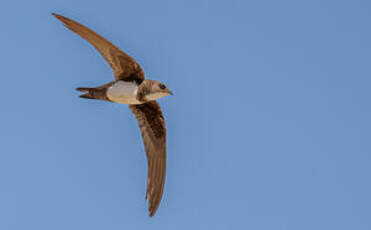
(123, 65)
(152, 126)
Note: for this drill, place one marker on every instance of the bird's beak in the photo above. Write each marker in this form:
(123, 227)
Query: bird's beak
(171, 93)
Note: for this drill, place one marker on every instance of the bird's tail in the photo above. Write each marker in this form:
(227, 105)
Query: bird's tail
(93, 93)
(83, 89)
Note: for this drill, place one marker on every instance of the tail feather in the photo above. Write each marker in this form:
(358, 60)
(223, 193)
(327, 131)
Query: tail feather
(93, 93)
(87, 96)
(83, 89)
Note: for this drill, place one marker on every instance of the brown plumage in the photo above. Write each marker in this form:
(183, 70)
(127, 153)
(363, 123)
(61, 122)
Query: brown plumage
(152, 126)
(123, 65)
(148, 114)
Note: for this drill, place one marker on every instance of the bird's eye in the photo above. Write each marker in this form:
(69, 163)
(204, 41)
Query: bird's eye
(162, 86)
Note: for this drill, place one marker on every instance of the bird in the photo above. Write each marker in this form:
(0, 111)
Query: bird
(132, 88)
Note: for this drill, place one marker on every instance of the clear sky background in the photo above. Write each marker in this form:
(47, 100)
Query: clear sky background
(269, 127)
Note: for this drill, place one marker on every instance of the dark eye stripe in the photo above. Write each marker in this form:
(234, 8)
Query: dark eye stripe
(162, 86)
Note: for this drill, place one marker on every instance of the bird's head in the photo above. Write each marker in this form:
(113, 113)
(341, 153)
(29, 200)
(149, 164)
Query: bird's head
(157, 90)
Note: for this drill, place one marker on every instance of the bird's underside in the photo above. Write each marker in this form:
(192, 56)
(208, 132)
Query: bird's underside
(148, 113)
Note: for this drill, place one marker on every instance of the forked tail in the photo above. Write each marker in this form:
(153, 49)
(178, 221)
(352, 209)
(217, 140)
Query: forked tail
(93, 93)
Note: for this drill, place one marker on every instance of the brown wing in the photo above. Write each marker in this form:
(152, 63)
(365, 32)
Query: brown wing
(123, 65)
(152, 126)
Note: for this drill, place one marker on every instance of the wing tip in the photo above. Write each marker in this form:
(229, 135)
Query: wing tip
(153, 206)
(65, 21)
(56, 15)
(152, 211)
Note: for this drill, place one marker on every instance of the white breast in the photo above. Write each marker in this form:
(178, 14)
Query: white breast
(123, 92)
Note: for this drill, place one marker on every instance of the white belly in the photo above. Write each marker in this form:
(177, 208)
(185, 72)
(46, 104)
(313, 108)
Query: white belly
(123, 92)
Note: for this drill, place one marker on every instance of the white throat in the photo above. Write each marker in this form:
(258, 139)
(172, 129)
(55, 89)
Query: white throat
(155, 96)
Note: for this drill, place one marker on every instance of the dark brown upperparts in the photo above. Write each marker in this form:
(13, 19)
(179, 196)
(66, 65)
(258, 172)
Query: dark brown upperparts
(152, 126)
(122, 64)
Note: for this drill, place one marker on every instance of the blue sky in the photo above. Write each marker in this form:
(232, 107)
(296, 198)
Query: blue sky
(269, 127)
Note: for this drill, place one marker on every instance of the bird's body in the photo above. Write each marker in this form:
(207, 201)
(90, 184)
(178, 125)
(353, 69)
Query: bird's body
(124, 92)
(130, 87)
